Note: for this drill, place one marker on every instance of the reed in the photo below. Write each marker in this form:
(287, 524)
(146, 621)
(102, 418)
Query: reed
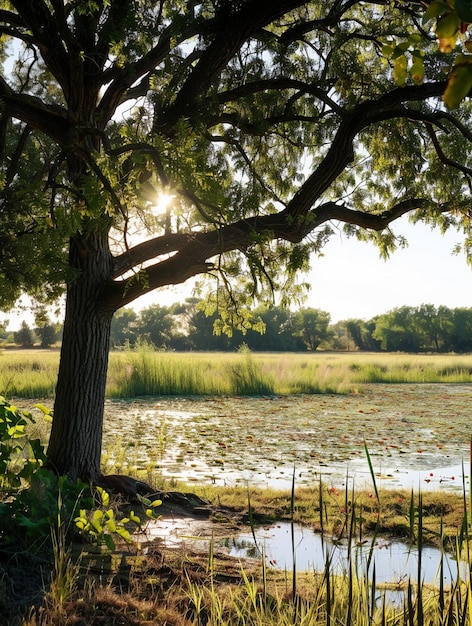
(32, 374)
(328, 597)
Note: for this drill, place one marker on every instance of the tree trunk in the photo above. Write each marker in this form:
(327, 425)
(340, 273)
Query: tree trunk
(76, 437)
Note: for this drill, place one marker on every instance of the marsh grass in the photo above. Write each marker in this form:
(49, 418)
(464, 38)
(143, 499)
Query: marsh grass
(208, 588)
(32, 374)
(28, 374)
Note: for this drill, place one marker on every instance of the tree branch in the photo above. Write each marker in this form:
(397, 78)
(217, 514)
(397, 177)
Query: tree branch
(341, 152)
(50, 119)
(229, 34)
(121, 79)
(201, 248)
(299, 218)
(443, 158)
(38, 18)
(277, 84)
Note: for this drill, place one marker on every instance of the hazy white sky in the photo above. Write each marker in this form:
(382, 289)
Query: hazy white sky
(351, 281)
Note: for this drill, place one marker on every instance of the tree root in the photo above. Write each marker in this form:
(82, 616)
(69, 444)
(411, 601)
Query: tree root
(173, 502)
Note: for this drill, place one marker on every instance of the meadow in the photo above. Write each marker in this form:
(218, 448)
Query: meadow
(32, 373)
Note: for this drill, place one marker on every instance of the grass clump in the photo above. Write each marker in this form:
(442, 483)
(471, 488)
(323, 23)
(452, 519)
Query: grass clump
(247, 377)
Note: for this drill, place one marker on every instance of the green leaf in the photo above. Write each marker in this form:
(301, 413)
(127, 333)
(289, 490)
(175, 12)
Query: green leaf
(37, 449)
(47, 413)
(387, 50)
(434, 10)
(417, 71)
(447, 26)
(400, 71)
(104, 496)
(414, 39)
(371, 469)
(110, 544)
(403, 46)
(398, 52)
(459, 82)
(134, 518)
(124, 534)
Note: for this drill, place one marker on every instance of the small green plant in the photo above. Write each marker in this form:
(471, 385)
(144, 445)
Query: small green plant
(28, 516)
(101, 524)
(53, 503)
(37, 505)
(20, 456)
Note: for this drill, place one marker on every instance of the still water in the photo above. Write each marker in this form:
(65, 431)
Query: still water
(395, 562)
(418, 437)
(285, 546)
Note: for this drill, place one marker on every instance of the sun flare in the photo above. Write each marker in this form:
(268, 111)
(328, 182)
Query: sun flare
(163, 201)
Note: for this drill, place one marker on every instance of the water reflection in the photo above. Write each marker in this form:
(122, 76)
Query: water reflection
(282, 547)
(395, 562)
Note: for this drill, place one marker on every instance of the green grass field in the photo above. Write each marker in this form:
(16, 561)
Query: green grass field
(32, 373)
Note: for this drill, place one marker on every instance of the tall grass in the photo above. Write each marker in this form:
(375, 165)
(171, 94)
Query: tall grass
(157, 373)
(27, 375)
(353, 597)
(32, 374)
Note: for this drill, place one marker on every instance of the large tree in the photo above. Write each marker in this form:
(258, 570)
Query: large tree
(267, 124)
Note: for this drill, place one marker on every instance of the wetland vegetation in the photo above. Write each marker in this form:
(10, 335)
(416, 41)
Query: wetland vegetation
(145, 372)
(335, 462)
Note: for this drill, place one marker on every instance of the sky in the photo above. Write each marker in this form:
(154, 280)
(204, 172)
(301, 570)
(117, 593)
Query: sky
(352, 281)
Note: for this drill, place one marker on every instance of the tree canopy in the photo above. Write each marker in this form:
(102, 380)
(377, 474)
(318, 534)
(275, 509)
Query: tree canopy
(144, 143)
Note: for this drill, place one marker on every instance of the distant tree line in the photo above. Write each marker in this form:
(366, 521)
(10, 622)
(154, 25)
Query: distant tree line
(44, 335)
(184, 327)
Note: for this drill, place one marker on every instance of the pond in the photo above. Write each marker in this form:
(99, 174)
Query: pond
(396, 563)
(417, 435)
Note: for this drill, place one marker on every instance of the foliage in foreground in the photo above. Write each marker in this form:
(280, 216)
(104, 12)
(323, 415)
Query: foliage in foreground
(206, 587)
(36, 505)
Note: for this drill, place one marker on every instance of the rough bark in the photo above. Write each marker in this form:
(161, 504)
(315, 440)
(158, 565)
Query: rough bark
(76, 436)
